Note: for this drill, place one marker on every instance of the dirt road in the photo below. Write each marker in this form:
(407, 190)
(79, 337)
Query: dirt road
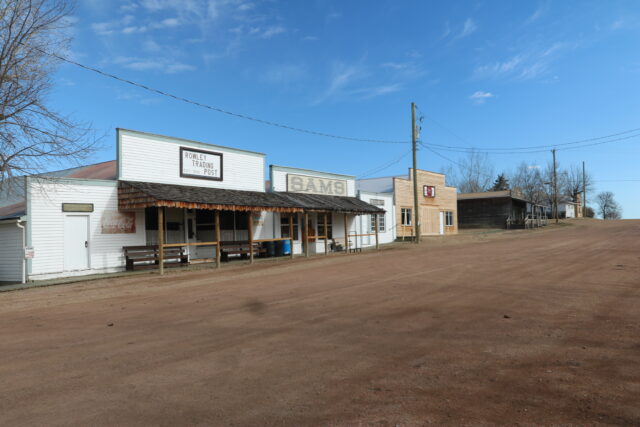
(538, 327)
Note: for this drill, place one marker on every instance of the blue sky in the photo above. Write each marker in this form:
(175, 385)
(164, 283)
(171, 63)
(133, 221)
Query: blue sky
(485, 74)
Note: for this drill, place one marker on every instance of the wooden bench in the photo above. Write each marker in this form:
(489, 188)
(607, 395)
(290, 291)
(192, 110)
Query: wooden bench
(145, 257)
(239, 248)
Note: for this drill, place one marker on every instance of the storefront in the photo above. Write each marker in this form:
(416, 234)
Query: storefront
(436, 201)
(170, 197)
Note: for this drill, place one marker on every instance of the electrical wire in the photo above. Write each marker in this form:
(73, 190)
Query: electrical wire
(217, 109)
(451, 148)
(384, 166)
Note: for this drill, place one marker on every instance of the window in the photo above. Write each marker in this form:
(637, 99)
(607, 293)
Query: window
(381, 223)
(284, 225)
(406, 216)
(448, 219)
(329, 226)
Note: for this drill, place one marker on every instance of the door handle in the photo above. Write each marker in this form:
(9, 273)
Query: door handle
(86, 244)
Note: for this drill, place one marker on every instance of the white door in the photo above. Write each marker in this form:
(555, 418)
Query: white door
(76, 242)
(441, 223)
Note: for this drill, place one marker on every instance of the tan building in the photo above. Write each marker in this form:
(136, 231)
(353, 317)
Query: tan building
(438, 203)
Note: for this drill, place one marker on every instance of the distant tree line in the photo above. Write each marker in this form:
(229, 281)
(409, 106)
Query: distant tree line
(475, 173)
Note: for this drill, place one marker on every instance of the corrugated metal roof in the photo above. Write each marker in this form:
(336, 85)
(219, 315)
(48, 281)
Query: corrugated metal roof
(13, 211)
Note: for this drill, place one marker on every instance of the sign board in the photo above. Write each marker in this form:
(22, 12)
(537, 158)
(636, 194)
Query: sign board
(315, 185)
(200, 164)
(115, 222)
(29, 252)
(77, 207)
(429, 191)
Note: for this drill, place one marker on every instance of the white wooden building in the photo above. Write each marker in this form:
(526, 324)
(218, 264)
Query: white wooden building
(202, 197)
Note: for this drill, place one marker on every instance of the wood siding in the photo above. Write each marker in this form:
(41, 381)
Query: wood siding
(430, 208)
(46, 220)
(157, 159)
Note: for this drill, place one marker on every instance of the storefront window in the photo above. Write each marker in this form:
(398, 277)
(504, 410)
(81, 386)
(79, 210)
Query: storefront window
(406, 216)
(284, 225)
(381, 223)
(448, 219)
(321, 226)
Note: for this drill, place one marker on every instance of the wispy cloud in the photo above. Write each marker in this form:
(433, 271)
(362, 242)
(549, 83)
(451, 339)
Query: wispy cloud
(480, 97)
(342, 76)
(165, 65)
(468, 28)
(285, 74)
(525, 65)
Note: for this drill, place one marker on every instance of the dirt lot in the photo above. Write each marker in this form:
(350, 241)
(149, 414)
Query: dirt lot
(531, 327)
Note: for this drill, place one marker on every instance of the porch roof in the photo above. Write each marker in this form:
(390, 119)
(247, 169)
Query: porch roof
(135, 194)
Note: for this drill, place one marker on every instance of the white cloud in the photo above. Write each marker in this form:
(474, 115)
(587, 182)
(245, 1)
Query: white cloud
(310, 38)
(103, 28)
(272, 31)
(285, 73)
(468, 28)
(178, 67)
(480, 97)
(372, 92)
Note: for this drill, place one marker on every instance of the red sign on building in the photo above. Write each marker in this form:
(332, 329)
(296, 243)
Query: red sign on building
(429, 191)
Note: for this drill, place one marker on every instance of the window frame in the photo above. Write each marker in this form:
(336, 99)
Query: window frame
(406, 214)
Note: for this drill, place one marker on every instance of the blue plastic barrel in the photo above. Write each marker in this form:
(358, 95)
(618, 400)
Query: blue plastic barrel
(286, 247)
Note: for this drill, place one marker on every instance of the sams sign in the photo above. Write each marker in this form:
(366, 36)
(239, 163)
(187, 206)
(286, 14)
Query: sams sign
(200, 164)
(315, 185)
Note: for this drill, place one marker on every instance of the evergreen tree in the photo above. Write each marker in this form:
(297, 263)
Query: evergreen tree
(501, 183)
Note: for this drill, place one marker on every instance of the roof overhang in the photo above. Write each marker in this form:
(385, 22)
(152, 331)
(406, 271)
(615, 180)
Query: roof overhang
(137, 195)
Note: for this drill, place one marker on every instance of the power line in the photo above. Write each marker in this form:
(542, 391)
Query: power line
(450, 160)
(217, 109)
(384, 166)
(469, 147)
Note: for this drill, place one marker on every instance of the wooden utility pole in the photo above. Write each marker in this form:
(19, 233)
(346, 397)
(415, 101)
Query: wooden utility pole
(584, 192)
(218, 248)
(414, 137)
(555, 186)
(161, 239)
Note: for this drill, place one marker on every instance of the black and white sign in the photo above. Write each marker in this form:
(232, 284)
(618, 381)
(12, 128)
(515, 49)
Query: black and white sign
(316, 185)
(200, 164)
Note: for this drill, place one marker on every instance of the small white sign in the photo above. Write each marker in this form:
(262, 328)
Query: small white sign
(200, 164)
(29, 252)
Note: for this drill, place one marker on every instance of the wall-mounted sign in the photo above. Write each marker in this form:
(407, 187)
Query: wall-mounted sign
(77, 207)
(29, 252)
(429, 191)
(115, 222)
(200, 164)
(316, 185)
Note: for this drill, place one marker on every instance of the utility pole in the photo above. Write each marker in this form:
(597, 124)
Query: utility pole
(584, 192)
(414, 137)
(555, 186)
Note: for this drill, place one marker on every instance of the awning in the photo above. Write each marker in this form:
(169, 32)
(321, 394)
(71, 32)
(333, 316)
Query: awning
(135, 195)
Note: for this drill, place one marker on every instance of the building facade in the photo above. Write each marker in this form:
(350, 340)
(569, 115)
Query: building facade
(168, 193)
(437, 203)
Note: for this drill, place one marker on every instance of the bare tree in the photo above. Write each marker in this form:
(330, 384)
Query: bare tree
(32, 135)
(608, 208)
(473, 174)
(529, 181)
(573, 182)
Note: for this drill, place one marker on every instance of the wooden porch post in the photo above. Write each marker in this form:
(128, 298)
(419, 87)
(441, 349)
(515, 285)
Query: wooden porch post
(375, 218)
(250, 237)
(291, 218)
(218, 239)
(161, 239)
(346, 235)
(306, 234)
(326, 234)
